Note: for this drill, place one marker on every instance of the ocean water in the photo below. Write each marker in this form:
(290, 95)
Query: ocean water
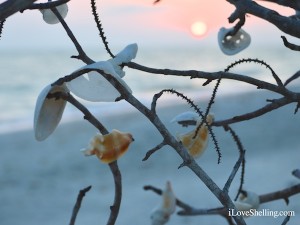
(24, 73)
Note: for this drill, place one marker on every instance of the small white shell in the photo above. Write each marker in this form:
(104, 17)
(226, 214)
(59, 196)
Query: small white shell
(50, 18)
(245, 203)
(48, 112)
(186, 118)
(162, 213)
(125, 56)
(96, 88)
(231, 45)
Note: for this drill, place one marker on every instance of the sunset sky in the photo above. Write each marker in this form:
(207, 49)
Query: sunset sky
(126, 21)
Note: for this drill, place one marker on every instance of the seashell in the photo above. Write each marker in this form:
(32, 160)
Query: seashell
(48, 112)
(246, 201)
(50, 18)
(162, 213)
(109, 147)
(125, 56)
(231, 45)
(185, 119)
(196, 146)
(95, 87)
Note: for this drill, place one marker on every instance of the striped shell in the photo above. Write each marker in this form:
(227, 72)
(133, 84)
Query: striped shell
(109, 147)
(196, 145)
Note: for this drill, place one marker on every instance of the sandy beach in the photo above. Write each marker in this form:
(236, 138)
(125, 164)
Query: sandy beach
(39, 181)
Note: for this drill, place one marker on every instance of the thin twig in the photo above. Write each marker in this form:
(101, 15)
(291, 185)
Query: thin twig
(153, 150)
(282, 194)
(290, 45)
(248, 116)
(81, 54)
(115, 208)
(77, 205)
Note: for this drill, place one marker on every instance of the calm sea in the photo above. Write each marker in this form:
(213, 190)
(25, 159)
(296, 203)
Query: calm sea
(25, 73)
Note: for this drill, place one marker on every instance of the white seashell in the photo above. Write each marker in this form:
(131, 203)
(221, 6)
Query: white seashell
(50, 18)
(242, 206)
(162, 213)
(96, 88)
(159, 217)
(48, 112)
(231, 45)
(125, 56)
(186, 118)
(245, 203)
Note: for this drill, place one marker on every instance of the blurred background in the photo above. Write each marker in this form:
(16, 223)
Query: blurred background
(39, 181)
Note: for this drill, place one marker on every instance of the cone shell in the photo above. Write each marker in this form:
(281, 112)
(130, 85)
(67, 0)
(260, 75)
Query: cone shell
(231, 45)
(196, 145)
(50, 18)
(48, 112)
(109, 147)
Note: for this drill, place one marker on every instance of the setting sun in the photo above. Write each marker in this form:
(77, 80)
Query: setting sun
(198, 28)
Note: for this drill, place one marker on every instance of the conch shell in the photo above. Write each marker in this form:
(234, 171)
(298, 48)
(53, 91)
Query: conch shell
(196, 145)
(162, 213)
(231, 45)
(50, 18)
(109, 147)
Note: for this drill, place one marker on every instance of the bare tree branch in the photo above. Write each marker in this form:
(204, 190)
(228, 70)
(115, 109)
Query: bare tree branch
(286, 24)
(77, 205)
(48, 5)
(10, 7)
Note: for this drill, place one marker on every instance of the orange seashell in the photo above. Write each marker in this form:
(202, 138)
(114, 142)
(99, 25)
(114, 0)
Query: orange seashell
(197, 145)
(109, 147)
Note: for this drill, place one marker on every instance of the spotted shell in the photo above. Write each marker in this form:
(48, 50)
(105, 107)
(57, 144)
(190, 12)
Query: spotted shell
(231, 45)
(109, 147)
(196, 145)
(50, 18)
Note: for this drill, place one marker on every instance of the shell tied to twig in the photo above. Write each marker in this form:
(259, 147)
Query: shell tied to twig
(48, 112)
(162, 213)
(247, 200)
(231, 45)
(195, 141)
(50, 18)
(109, 147)
(94, 86)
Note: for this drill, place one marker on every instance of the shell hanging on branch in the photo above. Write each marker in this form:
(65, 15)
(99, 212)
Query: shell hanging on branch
(162, 213)
(231, 45)
(247, 200)
(109, 147)
(196, 141)
(48, 112)
(94, 87)
(186, 118)
(50, 18)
